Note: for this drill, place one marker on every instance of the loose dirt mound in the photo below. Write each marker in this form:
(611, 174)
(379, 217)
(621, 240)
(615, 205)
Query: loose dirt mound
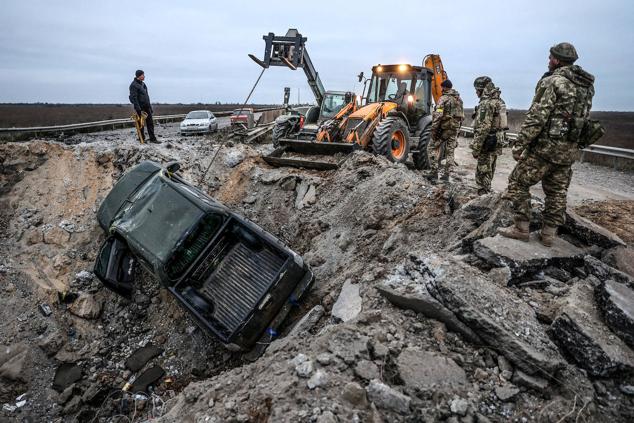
(616, 216)
(359, 227)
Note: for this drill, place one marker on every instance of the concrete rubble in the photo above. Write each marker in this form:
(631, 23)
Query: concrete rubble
(419, 312)
(580, 331)
(527, 258)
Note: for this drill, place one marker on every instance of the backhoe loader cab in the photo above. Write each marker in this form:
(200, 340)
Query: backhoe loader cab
(407, 86)
(333, 102)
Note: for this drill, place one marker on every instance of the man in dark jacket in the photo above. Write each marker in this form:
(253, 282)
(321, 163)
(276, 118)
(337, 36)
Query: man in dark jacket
(140, 99)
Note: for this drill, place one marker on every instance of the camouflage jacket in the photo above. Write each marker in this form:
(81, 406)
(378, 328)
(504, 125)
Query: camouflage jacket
(487, 118)
(448, 114)
(565, 94)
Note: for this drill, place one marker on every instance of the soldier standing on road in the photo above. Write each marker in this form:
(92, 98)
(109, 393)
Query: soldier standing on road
(140, 99)
(555, 128)
(488, 131)
(447, 118)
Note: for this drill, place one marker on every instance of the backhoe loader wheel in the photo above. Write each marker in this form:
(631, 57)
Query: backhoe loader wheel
(279, 131)
(391, 139)
(421, 159)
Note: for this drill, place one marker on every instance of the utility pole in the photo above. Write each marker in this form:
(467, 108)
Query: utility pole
(298, 92)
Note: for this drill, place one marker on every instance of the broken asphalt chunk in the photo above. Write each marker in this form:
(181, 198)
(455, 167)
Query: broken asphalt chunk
(526, 258)
(500, 319)
(141, 356)
(147, 378)
(66, 375)
(580, 332)
(616, 301)
(411, 295)
(588, 232)
(348, 304)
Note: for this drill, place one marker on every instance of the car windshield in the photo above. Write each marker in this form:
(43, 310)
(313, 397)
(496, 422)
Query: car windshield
(197, 115)
(332, 104)
(241, 112)
(388, 87)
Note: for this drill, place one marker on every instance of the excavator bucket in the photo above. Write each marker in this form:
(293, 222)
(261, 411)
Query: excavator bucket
(303, 154)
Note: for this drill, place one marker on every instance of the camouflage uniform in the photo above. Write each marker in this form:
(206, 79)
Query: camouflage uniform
(447, 118)
(486, 122)
(547, 154)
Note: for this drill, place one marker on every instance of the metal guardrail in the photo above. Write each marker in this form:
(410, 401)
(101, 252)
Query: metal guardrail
(21, 133)
(604, 150)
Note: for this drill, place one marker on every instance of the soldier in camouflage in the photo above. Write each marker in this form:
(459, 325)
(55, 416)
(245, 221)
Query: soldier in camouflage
(547, 143)
(488, 133)
(446, 121)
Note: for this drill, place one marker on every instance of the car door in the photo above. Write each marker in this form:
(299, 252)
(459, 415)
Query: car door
(115, 266)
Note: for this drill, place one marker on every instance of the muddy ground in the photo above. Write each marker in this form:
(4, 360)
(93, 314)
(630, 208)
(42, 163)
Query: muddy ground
(365, 228)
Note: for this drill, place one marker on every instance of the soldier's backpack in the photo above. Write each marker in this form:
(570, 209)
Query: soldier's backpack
(582, 130)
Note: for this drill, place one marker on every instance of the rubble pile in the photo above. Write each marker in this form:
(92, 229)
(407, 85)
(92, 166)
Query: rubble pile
(419, 311)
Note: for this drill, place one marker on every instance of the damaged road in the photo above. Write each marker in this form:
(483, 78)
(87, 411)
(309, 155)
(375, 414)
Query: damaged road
(406, 321)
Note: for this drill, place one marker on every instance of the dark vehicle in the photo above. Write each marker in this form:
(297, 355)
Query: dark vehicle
(237, 280)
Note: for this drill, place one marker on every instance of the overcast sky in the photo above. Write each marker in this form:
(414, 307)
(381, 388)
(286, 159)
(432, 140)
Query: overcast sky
(196, 51)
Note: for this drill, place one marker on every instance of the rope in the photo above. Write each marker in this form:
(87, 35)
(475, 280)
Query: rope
(202, 178)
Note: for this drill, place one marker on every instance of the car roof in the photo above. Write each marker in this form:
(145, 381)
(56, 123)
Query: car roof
(194, 111)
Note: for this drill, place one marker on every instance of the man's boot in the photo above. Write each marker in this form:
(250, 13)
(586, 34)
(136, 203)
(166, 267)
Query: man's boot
(445, 177)
(547, 235)
(518, 231)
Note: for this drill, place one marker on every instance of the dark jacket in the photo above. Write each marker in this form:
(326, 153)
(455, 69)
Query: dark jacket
(139, 96)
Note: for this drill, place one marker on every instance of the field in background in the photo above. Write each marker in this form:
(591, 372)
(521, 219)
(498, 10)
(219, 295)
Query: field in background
(619, 125)
(26, 115)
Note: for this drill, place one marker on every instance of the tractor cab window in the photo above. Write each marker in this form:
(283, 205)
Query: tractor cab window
(388, 87)
(421, 95)
(332, 104)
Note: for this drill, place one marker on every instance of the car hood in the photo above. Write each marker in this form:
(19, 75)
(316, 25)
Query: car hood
(196, 121)
(123, 189)
(156, 219)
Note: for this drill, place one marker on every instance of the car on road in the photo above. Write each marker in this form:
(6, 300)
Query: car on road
(236, 280)
(199, 122)
(243, 117)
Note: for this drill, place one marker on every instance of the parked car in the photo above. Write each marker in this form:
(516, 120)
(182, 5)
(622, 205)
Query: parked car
(236, 280)
(199, 122)
(243, 117)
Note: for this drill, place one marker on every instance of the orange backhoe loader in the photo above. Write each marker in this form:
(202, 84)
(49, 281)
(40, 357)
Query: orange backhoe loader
(395, 120)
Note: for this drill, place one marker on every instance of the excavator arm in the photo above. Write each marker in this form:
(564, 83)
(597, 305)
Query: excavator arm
(290, 51)
(433, 62)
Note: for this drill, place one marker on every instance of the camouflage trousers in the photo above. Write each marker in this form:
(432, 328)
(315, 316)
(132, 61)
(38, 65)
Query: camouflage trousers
(555, 182)
(485, 169)
(449, 140)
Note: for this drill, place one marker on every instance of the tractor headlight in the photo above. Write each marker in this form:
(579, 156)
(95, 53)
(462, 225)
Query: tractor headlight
(402, 68)
(410, 98)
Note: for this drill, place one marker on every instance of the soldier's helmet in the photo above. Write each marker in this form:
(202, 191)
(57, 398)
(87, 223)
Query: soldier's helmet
(480, 82)
(565, 52)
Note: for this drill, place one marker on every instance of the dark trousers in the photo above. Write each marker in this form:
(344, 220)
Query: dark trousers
(149, 124)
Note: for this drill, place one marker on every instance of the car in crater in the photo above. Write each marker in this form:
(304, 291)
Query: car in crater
(236, 280)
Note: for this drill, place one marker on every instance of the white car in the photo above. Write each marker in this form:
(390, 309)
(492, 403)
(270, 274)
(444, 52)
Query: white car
(199, 122)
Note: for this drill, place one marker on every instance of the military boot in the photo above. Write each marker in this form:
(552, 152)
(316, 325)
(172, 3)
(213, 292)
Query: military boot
(519, 230)
(445, 177)
(547, 235)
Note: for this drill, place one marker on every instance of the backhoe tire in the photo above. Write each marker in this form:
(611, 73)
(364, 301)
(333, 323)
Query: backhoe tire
(391, 139)
(421, 158)
(279, 131)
